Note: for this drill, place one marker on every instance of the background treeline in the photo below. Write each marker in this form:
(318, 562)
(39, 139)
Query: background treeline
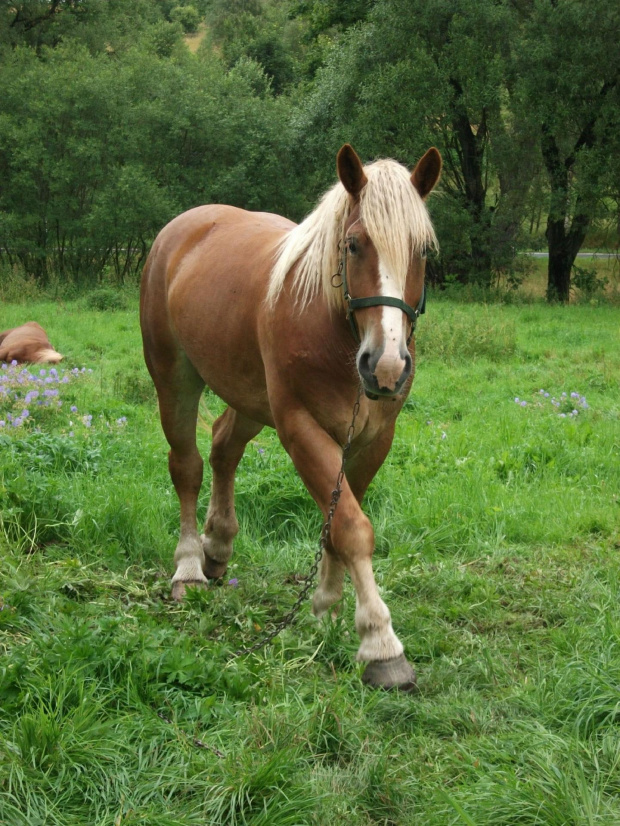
(115, 115)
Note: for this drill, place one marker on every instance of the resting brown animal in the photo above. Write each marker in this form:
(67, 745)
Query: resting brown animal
(28, 343)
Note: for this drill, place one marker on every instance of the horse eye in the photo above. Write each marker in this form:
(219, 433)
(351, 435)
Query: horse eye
(352, 246)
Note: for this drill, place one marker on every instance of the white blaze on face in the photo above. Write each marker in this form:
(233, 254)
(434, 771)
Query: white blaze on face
(390, 365)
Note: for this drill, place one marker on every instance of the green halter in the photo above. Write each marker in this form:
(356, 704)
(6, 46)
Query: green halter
(374, 301)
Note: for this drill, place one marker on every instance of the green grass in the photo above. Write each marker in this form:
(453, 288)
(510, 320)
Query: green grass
(497, 532)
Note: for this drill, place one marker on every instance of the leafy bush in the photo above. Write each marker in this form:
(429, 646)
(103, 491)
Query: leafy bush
(588, 281)
(187, 16)
(105, 298)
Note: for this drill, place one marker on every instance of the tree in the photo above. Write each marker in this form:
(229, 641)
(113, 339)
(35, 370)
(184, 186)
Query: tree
(415, 73)
(569, 72)
(94, 159)
(262, 31)
(101, 25)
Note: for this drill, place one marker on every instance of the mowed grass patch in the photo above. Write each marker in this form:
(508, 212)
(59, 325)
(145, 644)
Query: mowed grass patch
(497, 551)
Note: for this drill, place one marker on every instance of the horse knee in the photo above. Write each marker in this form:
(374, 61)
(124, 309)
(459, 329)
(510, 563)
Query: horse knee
(352, 536)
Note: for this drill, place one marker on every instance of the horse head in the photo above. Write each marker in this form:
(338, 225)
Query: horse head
(382, 265)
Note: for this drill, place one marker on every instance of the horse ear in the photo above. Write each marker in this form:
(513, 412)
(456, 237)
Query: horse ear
(350, 170)
(427, 172)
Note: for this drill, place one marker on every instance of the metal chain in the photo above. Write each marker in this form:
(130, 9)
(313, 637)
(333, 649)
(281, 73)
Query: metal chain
(288, 618)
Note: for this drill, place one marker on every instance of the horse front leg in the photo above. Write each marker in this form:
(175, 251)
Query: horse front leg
(231, 433)
(361, 469)
(318, 459)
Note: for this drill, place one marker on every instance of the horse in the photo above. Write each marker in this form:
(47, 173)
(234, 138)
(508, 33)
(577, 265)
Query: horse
(283, 322)
(27, 344)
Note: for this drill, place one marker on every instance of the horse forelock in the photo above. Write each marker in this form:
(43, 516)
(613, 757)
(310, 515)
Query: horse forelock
(391, 211)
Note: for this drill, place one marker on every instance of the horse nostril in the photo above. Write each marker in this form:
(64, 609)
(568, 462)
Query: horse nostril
(363, 364)
(407, 368)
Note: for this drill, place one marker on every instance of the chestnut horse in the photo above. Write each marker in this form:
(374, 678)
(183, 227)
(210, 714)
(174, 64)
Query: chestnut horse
(283, 322)
(27, 344)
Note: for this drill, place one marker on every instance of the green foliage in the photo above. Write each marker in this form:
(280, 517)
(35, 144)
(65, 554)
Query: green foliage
(588, 281)
(415, 75)
(187, 16)
(479, 80)
(96, 160)
(105, 298)
(259, 31)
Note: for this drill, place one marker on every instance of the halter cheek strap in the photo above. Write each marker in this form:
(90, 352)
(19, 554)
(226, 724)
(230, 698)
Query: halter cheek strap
(375, 301)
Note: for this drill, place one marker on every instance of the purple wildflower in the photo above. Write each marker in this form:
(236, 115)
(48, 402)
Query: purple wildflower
(234, 582)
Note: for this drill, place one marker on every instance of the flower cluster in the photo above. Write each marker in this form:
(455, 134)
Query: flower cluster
(565, 405)
(27, 394)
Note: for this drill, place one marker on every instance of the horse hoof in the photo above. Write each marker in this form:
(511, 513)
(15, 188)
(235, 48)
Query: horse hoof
(396, 673)
(178, 587)
(214, 570)
(211, 568)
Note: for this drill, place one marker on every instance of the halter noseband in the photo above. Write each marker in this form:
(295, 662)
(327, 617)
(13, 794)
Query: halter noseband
(374, 301)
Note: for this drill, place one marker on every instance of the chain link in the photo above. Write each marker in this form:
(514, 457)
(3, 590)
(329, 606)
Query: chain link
(288, 618)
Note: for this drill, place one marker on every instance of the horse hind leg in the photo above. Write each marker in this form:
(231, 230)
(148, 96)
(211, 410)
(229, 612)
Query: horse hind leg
(231, 433)
(329, 590)
(179, 392)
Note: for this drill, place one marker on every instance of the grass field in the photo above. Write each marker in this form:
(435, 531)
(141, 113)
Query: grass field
(497, 525)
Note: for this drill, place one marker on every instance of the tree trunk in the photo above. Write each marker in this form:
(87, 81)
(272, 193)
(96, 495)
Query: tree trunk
(564, 241)
(563, 248)
(471, 147)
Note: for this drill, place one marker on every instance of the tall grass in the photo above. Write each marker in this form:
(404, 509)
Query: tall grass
(497, 551)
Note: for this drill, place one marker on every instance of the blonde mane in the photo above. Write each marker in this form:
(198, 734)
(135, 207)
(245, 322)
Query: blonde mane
(393, 214)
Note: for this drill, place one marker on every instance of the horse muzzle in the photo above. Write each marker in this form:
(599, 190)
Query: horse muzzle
(382, 377)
